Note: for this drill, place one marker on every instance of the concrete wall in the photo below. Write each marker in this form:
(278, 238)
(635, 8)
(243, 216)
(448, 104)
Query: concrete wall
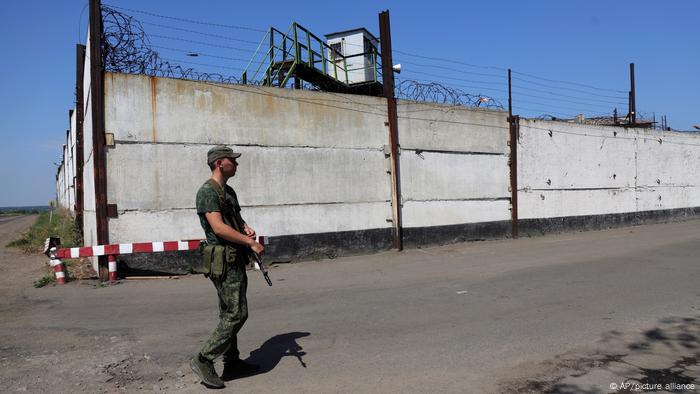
(89, 211)
(61, 183)
(65, 177)
(66, 189)
(71, 160)
(454, 167)
(575, 170)
(668, 170)
(70, 169)
(314, 175)
(312, 162)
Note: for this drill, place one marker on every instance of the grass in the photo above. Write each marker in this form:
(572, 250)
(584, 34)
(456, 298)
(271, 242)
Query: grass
(59, 224)
(44, 281)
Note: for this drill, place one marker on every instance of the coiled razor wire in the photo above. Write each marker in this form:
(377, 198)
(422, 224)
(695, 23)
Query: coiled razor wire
(127, 49)
(437, 93)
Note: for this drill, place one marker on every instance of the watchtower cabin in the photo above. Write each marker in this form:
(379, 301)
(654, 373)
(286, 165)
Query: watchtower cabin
(358, 48)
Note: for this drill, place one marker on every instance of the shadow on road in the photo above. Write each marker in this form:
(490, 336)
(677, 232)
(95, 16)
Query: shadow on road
(668, 354)
(270, 353)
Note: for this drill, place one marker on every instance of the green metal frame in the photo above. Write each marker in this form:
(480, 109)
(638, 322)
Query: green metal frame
(295, 46)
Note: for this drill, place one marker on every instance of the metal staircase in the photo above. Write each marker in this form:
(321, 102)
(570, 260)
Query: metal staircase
(289, 59)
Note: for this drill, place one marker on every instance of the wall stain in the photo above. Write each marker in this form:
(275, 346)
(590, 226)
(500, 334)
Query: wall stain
(154, 134)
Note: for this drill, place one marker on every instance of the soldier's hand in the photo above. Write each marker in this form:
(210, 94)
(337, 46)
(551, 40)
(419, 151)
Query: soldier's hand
(249, 231)
(257, 247)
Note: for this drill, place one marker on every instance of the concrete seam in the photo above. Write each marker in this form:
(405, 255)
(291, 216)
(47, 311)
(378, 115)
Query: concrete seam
(454, 152)
(488, 199)
(576, 189)
(127, 210)
(127, 142)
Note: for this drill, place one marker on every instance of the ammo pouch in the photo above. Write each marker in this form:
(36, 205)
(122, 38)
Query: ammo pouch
(217, 258)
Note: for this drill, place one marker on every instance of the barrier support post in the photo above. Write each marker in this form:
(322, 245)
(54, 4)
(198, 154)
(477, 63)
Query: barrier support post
(58, 267)
(112, 262)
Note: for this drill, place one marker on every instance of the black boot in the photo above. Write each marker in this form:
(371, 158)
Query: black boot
(204, 369)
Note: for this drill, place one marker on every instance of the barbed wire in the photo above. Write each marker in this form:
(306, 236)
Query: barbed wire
(127, 49)
(438, 93)
(595, 120)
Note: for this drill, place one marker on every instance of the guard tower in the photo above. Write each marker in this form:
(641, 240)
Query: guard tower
(358, 47)
(300, 58)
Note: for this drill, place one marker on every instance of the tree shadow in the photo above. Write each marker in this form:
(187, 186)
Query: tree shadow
(561, 388)
(270, 353)
(678, 338)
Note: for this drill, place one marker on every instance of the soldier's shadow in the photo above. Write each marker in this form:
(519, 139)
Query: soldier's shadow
(270, 353)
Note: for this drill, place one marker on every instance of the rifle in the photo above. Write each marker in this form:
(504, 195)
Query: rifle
(259, 264)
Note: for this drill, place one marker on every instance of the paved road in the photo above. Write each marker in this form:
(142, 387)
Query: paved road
(567, 313)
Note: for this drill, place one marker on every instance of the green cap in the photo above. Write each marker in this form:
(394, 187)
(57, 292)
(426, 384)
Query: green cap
(220, 152)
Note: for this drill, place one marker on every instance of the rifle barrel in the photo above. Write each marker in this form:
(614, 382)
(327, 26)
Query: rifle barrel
(263, 269)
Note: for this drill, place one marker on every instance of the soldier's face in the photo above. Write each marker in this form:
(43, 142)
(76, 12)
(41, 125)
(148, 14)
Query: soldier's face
(228, 166)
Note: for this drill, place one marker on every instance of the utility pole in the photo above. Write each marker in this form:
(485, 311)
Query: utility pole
(633, 104)
(388, 83)
(98, 131)
(513, 123)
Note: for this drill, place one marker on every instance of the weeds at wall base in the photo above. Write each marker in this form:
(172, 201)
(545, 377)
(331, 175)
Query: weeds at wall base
(44, 281)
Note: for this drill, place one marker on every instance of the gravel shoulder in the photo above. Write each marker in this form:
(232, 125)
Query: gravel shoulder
(38, 357)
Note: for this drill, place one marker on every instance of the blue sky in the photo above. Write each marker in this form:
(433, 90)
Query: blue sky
(590, 43)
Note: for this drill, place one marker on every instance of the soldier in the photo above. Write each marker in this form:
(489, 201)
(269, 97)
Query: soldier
(225, 258)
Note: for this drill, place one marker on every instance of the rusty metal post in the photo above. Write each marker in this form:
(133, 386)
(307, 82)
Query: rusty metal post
(633, 103)
(510, 95)
(513, 124)
(388, 82)
(98, 130)
(79, 146)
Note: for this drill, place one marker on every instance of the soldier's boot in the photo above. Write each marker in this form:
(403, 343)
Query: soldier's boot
(238, 368)
(204, 369)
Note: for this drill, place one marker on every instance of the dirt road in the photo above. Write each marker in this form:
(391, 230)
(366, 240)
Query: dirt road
(35, 356)
(574, 313)
(17, 268)
(39, 357)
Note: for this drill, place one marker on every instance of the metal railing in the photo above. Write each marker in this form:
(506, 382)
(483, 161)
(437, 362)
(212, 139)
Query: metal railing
(299, 47)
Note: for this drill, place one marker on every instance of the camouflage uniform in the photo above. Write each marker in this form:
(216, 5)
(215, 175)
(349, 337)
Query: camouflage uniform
(232, 285)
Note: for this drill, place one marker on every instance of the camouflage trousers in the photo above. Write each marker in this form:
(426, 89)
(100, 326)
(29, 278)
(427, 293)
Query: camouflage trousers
(233, 312)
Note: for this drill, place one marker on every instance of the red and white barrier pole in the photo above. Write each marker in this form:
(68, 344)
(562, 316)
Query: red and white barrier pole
(114, 250)
(112, 261)
(58, 268)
